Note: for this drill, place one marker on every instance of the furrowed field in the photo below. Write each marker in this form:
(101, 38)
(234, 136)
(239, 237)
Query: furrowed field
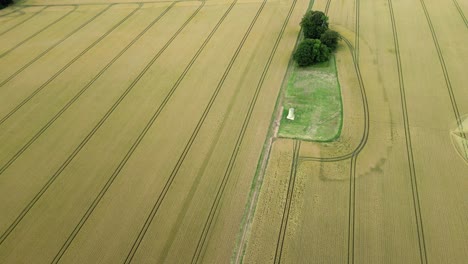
(139, 131)
(131, 132)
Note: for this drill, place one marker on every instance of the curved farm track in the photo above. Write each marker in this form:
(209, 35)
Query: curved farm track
(392, 188)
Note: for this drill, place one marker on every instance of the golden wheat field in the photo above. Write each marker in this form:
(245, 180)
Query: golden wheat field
(393, 187)
(130, 131)
(141, 132)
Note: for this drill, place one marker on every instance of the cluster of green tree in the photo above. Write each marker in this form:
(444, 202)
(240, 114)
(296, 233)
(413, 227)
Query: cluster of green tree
(319, 41)
(5, 3)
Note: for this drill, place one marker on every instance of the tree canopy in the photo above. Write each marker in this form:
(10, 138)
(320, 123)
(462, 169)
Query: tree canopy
(311, 51)
(314, 24)
(319, 41)
(330, 39)
(5, 3)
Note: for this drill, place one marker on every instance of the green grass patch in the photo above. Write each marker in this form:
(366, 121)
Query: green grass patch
(314, 93)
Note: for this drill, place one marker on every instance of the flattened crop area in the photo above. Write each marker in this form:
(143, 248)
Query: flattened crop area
(392, 189)
(131, 132)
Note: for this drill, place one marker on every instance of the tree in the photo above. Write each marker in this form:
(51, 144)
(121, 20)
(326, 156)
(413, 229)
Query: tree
(5, 3)
(314, 24)
(303, 54)
(330, 39)
(311, 51)
(320, 52)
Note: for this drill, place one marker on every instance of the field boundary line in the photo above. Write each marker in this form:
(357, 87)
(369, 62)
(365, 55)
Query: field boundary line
(239, 141)
(460, 11)
(24, 21)
(289, 198)
(448, 83)
(48, 50)
(38, 32)
(409, 146)
(48, 183)
(40, 132)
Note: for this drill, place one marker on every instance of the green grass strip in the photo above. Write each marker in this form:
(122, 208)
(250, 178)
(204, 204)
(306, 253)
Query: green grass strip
(315, 94)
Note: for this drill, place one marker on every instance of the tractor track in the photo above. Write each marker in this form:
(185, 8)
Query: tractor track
(289, 198)
(46, 52)
(354, 154)
(448, 82)
(119, 168)
(32, 95)
(365, 135)
(14, 11)
(39, 32)
(24, 21)
(83, 143)
(409, 147)
(327, 7)
(460, 11)
(194, 134)
(352, 176)
(354, 53)
(147, 223)
(220, 191)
